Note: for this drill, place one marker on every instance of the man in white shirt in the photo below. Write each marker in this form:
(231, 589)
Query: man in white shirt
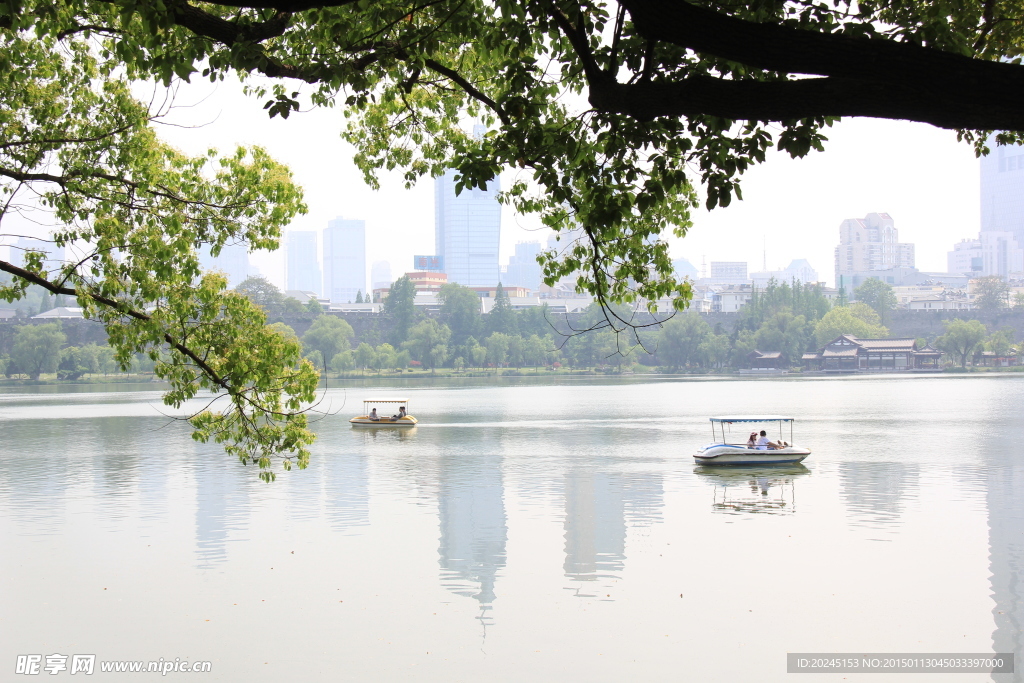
(763, 444)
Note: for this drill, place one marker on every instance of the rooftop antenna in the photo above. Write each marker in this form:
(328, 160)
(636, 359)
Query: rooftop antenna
(703, 266)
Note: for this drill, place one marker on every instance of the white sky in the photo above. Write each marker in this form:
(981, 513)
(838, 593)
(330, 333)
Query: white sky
(920, 175)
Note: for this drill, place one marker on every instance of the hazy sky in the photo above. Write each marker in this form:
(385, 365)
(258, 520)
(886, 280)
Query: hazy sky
(920, 175)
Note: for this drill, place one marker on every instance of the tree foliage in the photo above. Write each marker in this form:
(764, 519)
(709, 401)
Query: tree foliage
(400, 306)
(37, 349)
(680, 340)
(460, 311)
(1000, 343)
(328, 336)
(786, 333)
(858, 320)
(991, 293)
(878, 295)
(134, 213)
(799, 298)
(428, 342)
(502, 317)
(961, 338)
(269, 298)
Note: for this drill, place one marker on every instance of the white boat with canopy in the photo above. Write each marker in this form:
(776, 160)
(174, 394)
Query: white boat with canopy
(730, 447)
(372, 417)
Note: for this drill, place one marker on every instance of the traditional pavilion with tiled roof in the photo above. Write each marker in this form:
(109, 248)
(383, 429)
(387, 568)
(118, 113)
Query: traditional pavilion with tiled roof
(763, 360)
(847, 353)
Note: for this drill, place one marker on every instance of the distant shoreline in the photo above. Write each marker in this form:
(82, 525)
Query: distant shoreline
(447, 373)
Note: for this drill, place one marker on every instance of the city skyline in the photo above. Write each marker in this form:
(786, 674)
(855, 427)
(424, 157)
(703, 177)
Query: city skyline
(920, 175)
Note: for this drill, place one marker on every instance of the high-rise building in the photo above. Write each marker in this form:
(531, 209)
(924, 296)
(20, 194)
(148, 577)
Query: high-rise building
(302, 266)
(870, 247)
(233, 261)
(523, 269)
(993, 253)
(344, 260)
(467, 231)
(729, 272)
(1002, 191)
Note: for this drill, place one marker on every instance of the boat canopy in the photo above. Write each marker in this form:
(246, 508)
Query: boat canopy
(751, 418)
(385, 400)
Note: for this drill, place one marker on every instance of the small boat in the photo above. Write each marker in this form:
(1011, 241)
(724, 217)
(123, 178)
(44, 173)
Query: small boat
(722, 452)
(371, 404)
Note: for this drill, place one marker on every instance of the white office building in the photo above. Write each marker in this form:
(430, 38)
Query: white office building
(993, 253)
(302, 267)
(729, 273)
(344, 244)
(870, 247)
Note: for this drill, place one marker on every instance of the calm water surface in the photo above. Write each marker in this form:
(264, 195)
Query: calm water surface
(524, 531)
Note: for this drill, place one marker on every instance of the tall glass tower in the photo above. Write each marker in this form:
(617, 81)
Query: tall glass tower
(344, 260)
(303, 267)
(467, 231)
(1002, 191)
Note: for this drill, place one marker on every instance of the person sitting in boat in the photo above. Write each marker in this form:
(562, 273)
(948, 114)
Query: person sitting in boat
(764, 444)
(752, 441)
(373, 415)
(401, 413)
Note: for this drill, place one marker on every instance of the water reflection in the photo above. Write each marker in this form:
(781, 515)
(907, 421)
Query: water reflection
(81, 500)
(595, 525)
(753, 490)
(875, 493)
(346, 487)
(222, 506)
(598, 507)
(1006, 557)
(385, 434)
(471, 511)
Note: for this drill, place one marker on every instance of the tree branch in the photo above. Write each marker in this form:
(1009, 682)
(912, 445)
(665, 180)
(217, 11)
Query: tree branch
(799, 51)
(470, 89)
(36, 279)
(209, 25)
(805, 98)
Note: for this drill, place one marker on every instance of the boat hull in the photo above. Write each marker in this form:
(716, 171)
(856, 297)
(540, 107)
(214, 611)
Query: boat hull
(407, 421)
(724, 454)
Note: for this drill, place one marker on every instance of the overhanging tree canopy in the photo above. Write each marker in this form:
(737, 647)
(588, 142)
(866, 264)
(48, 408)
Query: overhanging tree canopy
(614, 111)
(78, 151)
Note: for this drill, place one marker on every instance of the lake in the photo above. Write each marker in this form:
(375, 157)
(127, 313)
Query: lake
(525, 530)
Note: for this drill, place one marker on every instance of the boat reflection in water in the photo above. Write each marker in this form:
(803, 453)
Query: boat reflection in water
(384, 435)
(764, 490)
